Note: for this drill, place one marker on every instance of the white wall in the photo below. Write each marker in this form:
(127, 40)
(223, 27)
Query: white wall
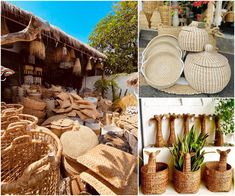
(121, 80)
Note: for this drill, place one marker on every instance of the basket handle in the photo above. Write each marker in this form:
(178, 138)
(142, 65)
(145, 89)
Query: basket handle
(9, 112)
(18, 124)
(14, 118)
(24, 139)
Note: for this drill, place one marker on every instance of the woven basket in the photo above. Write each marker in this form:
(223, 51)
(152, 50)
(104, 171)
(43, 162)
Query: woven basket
(8, 109)
(72, 168)
(217, 181)
(193, 39)
(32, 171)
(155, 183)
(38, 49)
(169, 30)
(162, 46)
(149, 7)
(34, 104)
(165, 12)
(162, 70)
(207, 72)
(38, 113)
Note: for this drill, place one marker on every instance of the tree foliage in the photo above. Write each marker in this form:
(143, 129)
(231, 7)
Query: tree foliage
(116, 36)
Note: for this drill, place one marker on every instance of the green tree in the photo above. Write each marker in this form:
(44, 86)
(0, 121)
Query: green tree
(116, 36)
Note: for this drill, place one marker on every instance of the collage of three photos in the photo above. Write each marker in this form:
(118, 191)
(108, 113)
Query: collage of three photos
(117, 97)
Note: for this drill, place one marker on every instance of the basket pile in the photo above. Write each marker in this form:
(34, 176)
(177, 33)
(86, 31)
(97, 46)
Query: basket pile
(154, 176)
(8, 109)
(34, 169)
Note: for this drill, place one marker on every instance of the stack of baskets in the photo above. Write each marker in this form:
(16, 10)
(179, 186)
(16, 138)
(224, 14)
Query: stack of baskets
(35, 107)
(154, 176)
(30, 162)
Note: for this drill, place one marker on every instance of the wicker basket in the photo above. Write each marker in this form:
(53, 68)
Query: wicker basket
(193, 39)
(7, 109)
(149, 7)
(207, 72)
(38, 113)
(217, 181)
(156, 181)
(165, 12)
(32, 171)
(34, 104)
(186, 181)
(162, 70)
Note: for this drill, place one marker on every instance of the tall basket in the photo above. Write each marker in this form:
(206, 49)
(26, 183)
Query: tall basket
(165, 12)
(30, 163)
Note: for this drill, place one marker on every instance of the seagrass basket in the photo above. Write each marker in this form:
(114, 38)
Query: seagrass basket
(165, 12)
(217, 181)
(34, 104)
(149, 7)
(30, 165)
(186, 181)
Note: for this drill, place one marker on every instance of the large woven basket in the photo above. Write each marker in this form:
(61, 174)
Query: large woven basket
(207, 72)
(34, 104)
(155, 183)
(8, 108)
(217, 181)
(30, 164)
(162, 70)
(165, 12)
(193, 39)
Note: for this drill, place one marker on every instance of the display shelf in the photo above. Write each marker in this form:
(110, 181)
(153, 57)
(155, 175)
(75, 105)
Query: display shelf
(202, 191)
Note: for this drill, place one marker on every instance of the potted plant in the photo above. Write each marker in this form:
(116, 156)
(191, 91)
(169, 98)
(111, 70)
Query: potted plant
(224, 111)
(188, 157)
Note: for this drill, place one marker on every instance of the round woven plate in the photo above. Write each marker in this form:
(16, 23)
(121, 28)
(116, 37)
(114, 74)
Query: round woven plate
(162, 70)
(76, 143)
(162, 46)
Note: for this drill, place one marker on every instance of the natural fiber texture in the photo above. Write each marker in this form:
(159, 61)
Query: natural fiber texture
(162, 46)
(9, 109)
(169, 30)
(155, 19)
(143, 22)
(113, 165)
(155, 183)
(217, 181)
(72, 54)
(77, 67)
(193, 39)
(148, 8)
(162, 70)
(37, 48)
(77, 143)
(89, 66)
(38, 113)
(105, 188)
(32, 171)
(208, 72)
(165, 12)
(179, 89)
(34, 104)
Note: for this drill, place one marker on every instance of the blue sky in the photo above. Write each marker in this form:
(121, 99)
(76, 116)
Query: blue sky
(77, 18)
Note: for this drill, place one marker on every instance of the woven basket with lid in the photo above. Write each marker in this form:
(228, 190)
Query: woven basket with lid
(154, 176)
(207, 72)
(193, 39)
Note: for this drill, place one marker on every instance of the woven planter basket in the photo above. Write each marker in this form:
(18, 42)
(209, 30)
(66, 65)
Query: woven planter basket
(155, 183)
(162, 70)
(193, 39)
(207, 72)
(32, 171)
(34, 104)
(217, 181)
(165, 12)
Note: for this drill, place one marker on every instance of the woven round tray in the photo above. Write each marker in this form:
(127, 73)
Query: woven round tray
(217, 181)
(162, 46)
(162, 70)
(165, 37)
(76, 143)
(155, 183)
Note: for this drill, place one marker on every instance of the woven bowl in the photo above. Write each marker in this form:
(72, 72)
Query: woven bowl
(217, 181)
(162, 46)
(162, 70)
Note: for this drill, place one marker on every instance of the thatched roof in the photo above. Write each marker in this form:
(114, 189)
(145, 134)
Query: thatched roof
(22, 17)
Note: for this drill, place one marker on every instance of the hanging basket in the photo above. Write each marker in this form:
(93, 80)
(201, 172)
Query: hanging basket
(89, 66)
(77, 67)
(38, 49)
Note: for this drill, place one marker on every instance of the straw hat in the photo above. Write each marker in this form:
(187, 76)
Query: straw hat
(76, 143)
(162, 70)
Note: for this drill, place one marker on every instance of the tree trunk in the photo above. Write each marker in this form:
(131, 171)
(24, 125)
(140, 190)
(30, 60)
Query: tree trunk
(219, 137)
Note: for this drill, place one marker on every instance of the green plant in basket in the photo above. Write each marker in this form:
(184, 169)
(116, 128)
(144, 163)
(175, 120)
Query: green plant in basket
(193, 144)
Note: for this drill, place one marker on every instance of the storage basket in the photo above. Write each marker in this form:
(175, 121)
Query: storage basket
(217, 181)
(162, 70)
(165, 12)
(154, 182)
(34, 169)
(207, 72)
(8, 108)
(193, 39)
(34, 104)
(186, 181)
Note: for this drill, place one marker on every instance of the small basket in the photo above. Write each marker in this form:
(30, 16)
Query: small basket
(187, 181)
(34, 104)
(156, 181)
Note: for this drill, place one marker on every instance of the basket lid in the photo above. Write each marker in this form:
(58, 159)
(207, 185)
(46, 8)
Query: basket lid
(209, 58)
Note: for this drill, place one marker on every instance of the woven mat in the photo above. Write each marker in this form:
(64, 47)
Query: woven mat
(179, 89)
(105, 188)
(113, 165)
